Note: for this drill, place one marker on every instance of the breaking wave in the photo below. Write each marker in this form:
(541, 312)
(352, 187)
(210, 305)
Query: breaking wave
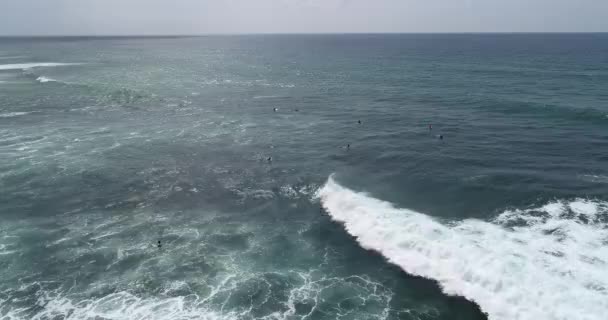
(539, 263)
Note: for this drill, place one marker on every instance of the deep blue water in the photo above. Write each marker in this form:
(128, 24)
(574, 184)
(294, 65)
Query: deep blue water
(108, 145)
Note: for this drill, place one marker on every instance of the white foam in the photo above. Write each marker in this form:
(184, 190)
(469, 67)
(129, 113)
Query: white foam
(584, 207)
(294, 192)
(550, 264)
(43, 79)
(123, 305)
(5, 251)
(173, 302)
(13, 114)
(25, 66)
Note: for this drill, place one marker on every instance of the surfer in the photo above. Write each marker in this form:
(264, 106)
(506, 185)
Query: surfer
(274, 109)
(430, 127)
(348, 146)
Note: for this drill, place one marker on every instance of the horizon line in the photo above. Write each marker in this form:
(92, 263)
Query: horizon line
(287, 33)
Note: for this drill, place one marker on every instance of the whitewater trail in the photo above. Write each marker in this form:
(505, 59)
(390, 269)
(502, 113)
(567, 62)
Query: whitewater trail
(547, 263)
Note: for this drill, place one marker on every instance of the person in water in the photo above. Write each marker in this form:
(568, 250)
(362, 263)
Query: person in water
(359, 121)
(440, 137)
(269, 159)
(159, 245)
(348, 146)
(274, 109)
(430, 127)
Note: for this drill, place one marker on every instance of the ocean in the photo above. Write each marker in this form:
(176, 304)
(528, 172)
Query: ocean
(396, 176)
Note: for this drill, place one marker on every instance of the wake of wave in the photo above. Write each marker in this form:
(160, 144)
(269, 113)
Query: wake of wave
(120, 305)
(542, 263)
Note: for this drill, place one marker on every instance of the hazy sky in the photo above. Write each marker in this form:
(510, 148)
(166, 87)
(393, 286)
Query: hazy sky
(43, 17)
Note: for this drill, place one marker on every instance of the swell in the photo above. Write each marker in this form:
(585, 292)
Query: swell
(557, 111)
(514, 107)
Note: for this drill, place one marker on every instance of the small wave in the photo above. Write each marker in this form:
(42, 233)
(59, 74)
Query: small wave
(43, 79)
(248, 83)
(279, 85)
(26, 66)
(267, 97)
(475, 178)
(13, 114)
(285, 85)
(558, 110)
(541, 263)
(595, 178)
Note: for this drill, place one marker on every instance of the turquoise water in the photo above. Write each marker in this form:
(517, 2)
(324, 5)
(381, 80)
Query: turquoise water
(109, 145)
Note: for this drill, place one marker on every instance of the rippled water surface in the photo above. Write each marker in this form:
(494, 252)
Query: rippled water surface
(109, 145)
